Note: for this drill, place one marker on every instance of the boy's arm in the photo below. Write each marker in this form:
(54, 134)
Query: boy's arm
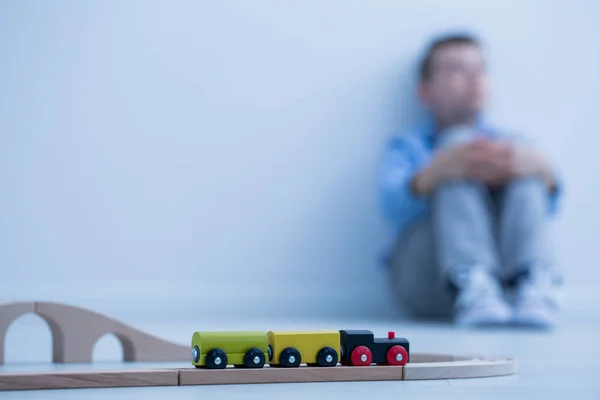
(399, 185)
(531, 162)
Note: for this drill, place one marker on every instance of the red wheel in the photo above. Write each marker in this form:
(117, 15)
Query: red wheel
(361, 355)
(397, 355)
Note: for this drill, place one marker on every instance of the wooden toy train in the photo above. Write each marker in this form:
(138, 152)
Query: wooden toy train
(290, 349)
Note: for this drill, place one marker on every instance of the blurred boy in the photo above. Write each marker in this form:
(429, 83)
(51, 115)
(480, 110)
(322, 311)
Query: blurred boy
(469, 204)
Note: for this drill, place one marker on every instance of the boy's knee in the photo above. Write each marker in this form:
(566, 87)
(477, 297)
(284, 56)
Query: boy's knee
(526, 189)
(455, 136)
(528, 197)
(462, 187)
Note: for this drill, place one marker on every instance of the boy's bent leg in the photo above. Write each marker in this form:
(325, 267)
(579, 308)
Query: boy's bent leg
(526, 250)
(464, 228)
(463, 223)
(415, 276)
(463, 218)
(523, 228)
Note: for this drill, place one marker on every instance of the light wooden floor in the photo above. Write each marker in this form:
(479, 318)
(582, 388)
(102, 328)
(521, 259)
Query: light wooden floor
(560, 364)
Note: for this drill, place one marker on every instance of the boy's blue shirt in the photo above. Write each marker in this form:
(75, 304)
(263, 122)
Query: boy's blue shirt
(404, 155)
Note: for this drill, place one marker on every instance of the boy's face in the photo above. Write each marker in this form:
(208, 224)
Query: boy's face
(458, 85)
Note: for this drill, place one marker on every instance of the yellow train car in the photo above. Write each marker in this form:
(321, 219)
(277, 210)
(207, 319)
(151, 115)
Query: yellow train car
(289, 349)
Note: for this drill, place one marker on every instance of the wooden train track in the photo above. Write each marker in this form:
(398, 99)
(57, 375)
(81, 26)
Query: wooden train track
(422, 367)
(75, 330)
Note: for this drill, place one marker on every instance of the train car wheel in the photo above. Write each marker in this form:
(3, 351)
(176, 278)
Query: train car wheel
(254, 358)
(327, 357)
(216, 359)
(270, 353)
(290, 358)
(196, 354)
(397, 355)
(361, 356)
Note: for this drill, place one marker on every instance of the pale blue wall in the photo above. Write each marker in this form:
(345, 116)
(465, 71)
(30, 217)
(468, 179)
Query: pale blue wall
(154, 149)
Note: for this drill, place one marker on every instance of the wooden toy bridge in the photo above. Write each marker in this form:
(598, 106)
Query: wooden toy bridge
(75, 331)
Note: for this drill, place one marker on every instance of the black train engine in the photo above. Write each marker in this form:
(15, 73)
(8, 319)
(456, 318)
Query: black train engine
(361, 348)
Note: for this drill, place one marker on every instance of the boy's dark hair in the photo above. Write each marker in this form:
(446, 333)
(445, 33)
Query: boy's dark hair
(426, 66)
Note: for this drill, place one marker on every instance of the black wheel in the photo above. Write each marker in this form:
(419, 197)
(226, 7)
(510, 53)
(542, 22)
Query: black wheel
(327, 357)
(254, 358)
(216, 359)
(270, 352)
(290, 358)
(196, 354)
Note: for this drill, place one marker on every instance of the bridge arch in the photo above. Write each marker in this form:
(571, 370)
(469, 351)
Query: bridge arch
(108, 348)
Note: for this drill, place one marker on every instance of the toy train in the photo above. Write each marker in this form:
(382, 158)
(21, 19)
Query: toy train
(290, 349)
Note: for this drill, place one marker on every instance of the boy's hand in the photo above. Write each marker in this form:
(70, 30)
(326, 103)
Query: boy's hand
(497, 163)
(493, 163)
(528, 162)
(463, 161)
(505, 161)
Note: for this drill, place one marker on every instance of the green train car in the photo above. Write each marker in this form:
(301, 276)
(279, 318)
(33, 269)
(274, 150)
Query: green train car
(217, 350)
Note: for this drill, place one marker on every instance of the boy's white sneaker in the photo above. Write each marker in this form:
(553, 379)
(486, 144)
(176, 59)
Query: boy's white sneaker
(480, 301)
(535, 303)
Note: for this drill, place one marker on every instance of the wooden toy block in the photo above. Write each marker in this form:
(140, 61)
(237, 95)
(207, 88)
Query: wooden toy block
(88, 379)
(9, 312)
(471, 368)
(287, 375)
(76, 330)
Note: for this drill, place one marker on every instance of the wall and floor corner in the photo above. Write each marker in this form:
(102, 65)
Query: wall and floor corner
(220, 153)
